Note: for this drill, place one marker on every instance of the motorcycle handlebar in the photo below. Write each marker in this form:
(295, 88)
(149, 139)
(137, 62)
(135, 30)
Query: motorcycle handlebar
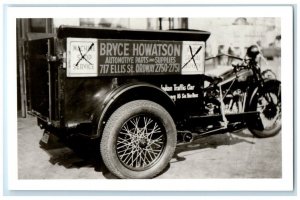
(238, 66)
(224, 54)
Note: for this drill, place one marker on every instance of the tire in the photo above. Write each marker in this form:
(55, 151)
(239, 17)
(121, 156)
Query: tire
(139, 140)
(270, 112)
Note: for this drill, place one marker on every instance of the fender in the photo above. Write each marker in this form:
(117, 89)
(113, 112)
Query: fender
(129, 92)
(267, 84)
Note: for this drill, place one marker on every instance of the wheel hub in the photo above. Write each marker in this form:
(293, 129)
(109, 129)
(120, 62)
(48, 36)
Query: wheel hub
(143, 143)
(270, 111)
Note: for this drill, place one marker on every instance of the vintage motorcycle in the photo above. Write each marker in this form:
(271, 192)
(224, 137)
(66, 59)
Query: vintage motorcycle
(246, 90)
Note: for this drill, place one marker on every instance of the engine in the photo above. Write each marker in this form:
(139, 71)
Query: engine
(233, 101)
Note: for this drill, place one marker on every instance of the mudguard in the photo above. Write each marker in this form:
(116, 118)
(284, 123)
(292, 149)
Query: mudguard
(253, 99)
(267, 84)
(126, 93)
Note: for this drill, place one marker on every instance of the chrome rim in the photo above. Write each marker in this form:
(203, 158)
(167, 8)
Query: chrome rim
(140, 142)
(269, 107)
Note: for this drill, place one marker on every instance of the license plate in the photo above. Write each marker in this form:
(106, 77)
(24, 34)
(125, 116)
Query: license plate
(45, 138)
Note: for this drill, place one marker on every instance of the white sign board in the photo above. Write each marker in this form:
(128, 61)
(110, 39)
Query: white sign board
(82, 55)
(193, 55)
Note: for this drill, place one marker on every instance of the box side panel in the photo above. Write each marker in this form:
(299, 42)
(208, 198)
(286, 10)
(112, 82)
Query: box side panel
(83, 97)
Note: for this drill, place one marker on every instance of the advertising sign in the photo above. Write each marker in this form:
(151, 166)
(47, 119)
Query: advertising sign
(107, 57)
(82, 57)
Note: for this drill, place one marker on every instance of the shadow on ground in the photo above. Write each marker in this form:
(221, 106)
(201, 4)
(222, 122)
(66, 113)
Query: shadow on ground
(214, 142)
(79, 153)
(76, 153)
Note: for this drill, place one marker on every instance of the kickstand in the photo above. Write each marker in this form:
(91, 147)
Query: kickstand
(224, 121)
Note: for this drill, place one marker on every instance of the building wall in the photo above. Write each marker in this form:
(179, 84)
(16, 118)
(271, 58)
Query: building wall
(238, 33)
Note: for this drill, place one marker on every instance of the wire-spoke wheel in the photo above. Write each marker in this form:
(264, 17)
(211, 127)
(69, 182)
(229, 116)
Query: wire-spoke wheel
(268, 104)
(269, 107)
(139, 140)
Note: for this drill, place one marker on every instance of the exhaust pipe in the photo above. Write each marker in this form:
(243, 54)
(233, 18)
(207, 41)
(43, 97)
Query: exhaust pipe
(184, 136)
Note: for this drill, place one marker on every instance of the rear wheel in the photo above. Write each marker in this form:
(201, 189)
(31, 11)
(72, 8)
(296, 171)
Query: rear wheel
(138, 140)
(268, 104)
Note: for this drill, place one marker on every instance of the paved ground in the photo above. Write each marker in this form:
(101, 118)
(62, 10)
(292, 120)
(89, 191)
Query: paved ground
(217, 156)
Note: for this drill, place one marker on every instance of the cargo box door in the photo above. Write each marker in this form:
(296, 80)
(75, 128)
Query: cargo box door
(40, 77)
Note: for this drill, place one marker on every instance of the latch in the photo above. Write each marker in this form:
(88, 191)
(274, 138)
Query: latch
(59, 57)
(51, 58)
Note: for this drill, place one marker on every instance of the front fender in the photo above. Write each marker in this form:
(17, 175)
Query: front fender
(268, 83)
(129, 92)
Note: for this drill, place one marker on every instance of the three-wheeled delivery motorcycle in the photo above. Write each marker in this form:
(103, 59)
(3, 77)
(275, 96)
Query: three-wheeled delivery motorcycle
(140, 93)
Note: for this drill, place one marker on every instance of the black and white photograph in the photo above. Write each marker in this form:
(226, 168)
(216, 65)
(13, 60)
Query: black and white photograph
(149, 98)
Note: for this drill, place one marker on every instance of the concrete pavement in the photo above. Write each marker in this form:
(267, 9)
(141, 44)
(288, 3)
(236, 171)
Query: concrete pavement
(218, 156)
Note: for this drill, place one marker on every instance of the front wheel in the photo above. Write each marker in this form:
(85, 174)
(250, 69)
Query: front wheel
(268, 104)
(139, 140)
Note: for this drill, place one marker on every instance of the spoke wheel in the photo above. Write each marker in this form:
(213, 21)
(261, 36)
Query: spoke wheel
(268, 104)
(138, 140)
